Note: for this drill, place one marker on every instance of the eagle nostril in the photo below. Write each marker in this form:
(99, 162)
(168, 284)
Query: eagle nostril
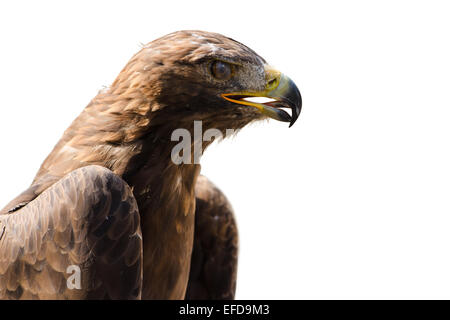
(272, 83)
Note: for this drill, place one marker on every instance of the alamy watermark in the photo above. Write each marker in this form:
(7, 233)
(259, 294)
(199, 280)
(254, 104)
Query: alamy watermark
(182, 152)
(74, 280)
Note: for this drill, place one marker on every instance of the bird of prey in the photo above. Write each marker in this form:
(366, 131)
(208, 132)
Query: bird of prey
(110, 206)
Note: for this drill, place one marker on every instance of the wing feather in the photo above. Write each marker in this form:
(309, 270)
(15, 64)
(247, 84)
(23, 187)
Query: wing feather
(88, 219)
(214, 258)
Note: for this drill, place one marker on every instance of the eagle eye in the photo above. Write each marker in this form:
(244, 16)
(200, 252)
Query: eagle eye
(221, 70)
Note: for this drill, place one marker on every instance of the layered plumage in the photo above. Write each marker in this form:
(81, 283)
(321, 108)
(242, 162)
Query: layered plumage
(109, 198)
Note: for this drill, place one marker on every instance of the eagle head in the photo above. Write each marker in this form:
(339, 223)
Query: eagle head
(197, 75)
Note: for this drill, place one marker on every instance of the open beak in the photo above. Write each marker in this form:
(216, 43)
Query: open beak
(280, 90)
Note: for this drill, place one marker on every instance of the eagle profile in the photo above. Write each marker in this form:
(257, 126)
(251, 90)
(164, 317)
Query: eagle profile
(109, 202)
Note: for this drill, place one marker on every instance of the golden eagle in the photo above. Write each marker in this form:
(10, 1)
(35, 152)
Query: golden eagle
(110, 203)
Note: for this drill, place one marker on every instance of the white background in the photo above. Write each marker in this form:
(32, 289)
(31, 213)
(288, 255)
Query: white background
(352, 202)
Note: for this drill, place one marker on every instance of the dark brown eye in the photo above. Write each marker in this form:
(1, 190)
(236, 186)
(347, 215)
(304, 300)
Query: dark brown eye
(221, 70)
